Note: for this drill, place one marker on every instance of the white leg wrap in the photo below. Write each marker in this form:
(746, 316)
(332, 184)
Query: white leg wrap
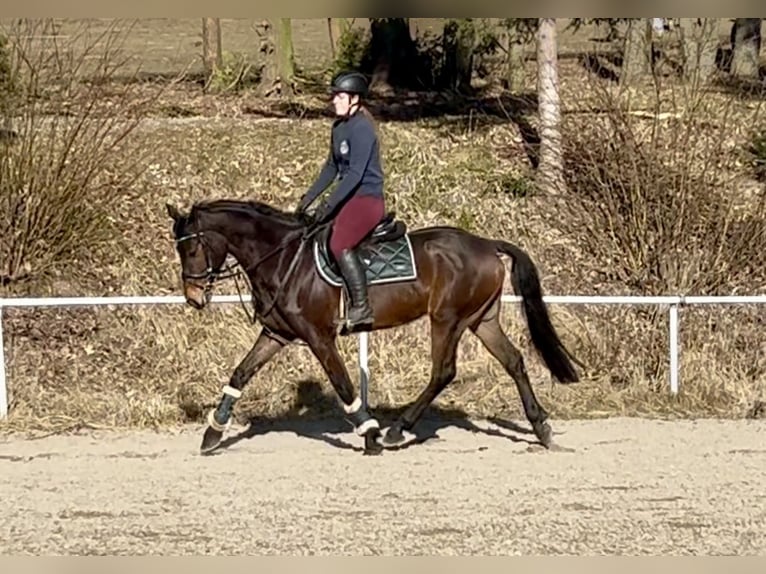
(353, 407)
(214, 425)
(366, 426)
(232, 392)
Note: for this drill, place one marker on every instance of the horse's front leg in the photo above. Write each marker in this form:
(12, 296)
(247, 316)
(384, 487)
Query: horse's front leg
(219, 419)
(365, 424)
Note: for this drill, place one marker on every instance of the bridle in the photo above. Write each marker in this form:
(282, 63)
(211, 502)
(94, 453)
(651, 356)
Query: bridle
(211, 275)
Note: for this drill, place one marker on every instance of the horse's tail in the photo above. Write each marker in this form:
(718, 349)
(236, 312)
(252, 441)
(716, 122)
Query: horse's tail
(526, 282)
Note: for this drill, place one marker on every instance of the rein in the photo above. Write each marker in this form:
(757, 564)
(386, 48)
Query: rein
(211, 275)
(305, 235)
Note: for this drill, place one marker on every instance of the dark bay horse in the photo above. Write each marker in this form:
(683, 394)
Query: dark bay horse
(453, 276)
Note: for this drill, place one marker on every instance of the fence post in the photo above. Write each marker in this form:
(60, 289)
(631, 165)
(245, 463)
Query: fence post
(673, 326)
(364, 371)
(3, 388)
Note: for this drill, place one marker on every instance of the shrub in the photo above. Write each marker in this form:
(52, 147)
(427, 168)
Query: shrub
(353, 44)
(756, 154)
(659, 202)
(58, 180)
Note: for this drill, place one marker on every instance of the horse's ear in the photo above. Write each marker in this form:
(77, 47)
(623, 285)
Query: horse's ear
(173, 211)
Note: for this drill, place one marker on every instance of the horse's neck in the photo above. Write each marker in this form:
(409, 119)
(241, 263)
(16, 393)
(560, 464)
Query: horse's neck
(256, 242)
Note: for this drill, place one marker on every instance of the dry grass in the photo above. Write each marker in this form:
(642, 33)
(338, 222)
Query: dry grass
(162, 366)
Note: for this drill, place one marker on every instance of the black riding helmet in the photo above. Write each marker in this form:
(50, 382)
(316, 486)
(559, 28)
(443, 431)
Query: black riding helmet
(349, 82)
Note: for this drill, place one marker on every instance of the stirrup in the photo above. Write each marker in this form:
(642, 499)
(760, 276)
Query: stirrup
(364, 323)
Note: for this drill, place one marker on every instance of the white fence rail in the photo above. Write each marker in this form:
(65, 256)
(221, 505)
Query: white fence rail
(673, 302)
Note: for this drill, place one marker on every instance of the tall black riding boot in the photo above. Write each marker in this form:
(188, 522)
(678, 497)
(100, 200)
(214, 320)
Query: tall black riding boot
(360, 313)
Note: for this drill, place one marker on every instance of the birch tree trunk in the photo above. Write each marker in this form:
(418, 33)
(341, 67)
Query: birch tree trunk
(550, 171)
(699, 46)
(746, 47)
(637, 57)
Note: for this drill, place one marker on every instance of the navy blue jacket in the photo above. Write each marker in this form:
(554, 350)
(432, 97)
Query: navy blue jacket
(354, 158)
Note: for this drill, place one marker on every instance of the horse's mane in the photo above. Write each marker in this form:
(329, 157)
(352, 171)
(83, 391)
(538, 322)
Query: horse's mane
(250, 208)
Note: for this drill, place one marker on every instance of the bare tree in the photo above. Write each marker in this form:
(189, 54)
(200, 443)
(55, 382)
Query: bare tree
(212, 52)
(550, 167)
(276, 49)
(285, 57)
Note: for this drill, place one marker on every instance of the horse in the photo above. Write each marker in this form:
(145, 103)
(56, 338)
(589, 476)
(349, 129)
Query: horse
(452, 275)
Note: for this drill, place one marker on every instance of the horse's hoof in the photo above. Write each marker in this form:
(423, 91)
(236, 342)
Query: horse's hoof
(544, 434)
(371, 445)
(210, 440)
(394, 435)
(375, 450)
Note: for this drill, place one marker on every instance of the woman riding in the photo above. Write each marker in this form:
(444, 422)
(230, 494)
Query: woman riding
(356, 205)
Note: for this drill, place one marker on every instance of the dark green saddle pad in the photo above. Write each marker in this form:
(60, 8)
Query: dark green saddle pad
(386, 255)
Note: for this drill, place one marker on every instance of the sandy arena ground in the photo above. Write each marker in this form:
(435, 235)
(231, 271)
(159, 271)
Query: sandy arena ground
(612, 487)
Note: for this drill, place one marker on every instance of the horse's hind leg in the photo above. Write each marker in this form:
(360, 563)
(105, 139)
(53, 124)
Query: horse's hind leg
(264, 348)
(445, 336)
(491, 334)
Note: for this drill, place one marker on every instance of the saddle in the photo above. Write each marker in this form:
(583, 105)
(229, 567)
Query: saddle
(386, 253)
(388, 229)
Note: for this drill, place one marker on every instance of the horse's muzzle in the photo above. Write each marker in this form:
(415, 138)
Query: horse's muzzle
(196, 296)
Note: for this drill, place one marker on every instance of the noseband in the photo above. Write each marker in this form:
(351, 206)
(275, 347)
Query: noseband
(210, 275)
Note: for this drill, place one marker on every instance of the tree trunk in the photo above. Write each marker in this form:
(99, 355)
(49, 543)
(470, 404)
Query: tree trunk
(337, 27)
(637, 57)
(550, 176)
(459, 40)
(392, 54)
(268, 57)
(212, 52)
(285, 57)
(746, 47)
(7, 92)
(699, 48)
(514, 61)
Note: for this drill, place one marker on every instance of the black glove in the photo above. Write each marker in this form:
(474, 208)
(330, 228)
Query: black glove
(303, 204)
(305, 218)
(322, 214)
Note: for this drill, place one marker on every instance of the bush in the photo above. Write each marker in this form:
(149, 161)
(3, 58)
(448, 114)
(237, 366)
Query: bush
(352, 46)
(659, 201)
(58, 179)
(756, 154)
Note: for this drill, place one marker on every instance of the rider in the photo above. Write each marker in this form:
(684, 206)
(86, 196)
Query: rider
(357, 205)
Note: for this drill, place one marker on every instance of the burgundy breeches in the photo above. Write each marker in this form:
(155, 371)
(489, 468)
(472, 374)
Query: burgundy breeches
(354, 221)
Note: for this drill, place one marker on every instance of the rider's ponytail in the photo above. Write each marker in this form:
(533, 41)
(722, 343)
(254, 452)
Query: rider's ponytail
(366, 113)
